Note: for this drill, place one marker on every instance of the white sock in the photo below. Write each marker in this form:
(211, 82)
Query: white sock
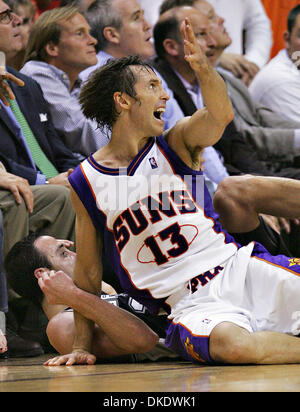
(2, 322)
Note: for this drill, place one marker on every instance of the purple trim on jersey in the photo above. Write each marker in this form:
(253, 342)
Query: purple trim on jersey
(81, 186)
(290, 264)
(202, 199)
(177, 164)
(190, 347)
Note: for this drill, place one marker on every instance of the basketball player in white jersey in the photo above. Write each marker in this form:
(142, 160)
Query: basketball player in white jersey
(225, 303)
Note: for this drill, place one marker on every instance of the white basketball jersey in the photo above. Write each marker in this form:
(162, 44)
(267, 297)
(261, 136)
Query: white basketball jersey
(157, 219)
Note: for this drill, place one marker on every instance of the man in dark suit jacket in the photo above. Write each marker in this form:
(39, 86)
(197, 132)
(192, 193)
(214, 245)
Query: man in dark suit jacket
(27, 203)
(34, 108)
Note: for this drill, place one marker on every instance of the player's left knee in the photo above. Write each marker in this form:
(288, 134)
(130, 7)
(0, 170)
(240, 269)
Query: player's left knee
(229, 344)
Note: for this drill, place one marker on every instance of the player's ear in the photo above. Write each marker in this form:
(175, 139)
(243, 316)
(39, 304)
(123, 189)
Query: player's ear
(122, 100)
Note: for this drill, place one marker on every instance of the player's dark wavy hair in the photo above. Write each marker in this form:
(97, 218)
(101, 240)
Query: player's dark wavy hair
(291, 21)
(97, 94)
(20, 264)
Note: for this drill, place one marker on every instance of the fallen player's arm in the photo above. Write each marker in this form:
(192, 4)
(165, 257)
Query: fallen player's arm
(87, 271)
(117, 332)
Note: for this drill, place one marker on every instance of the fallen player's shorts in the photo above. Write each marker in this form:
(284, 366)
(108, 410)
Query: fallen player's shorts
(158, 323)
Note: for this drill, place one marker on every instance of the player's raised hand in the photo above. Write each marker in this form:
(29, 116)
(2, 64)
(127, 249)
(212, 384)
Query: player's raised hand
(194, 53)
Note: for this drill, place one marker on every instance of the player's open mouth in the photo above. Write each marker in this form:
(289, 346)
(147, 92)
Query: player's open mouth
(158, 113)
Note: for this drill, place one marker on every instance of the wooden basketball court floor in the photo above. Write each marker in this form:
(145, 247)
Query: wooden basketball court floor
(176, 377)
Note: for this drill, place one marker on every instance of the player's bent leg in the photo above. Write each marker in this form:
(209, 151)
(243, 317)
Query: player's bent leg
(239, 200)
(232, 344)
(233, 201)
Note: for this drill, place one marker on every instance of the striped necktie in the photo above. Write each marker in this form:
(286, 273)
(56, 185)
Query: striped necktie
(39, 157)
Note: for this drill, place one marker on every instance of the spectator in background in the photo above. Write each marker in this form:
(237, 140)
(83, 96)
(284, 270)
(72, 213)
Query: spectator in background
(30, 147)
(26, 209)
(60, 47)
(275, 139)
(241, 16)
(277, 85)
(25, 9)
(37, 162)
(250, 30)
(277, 11)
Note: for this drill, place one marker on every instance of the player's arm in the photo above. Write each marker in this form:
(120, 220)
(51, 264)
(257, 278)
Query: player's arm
(117, 332)
(87, 276)
(87, 271)
(205, 127)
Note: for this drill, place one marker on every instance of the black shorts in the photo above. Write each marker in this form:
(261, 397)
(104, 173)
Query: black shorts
(266, 236)
(157, 323)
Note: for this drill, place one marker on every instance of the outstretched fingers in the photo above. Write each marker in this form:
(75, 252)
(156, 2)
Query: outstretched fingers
(75, 358)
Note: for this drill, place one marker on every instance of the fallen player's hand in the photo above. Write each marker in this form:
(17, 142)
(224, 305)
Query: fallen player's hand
(57, 287)
(74, 358)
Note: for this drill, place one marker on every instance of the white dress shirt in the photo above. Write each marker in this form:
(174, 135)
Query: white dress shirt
(80, 134)
(248, 15)
(277, 86)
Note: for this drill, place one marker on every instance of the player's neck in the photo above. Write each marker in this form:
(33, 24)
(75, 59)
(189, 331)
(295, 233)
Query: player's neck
(124, 145)
(115, 154)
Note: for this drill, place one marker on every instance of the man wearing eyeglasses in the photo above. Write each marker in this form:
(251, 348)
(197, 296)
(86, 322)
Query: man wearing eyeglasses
(10, 46)
(26, 10)
(34, 158)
